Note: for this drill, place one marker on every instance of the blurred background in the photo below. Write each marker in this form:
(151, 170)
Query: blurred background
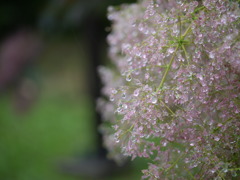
(49, 52)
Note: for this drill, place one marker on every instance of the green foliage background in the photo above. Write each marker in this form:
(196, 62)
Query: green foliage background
(58, 126)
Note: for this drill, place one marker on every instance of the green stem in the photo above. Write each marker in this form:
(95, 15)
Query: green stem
(128, 130)
(220, 174)
(171, 60)
(186, 32)
(167, 108)
(190, 174)
(168, 68)
(175, 162)
(185, 53)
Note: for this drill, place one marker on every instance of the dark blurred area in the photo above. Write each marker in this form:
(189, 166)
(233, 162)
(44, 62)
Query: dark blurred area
(49, 54)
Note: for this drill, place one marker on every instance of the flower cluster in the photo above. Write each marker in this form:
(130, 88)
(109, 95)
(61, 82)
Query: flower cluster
(174, 90)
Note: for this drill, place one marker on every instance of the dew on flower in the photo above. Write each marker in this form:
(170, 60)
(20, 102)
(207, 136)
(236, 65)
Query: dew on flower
(170, 50)
(216, 138)
(211, 55)
(119, 110)
(124, 95)
(136, 92)
(114, 91)
(225, 170)
(153, 32)
(129, 78)
(212, 171)
(200, 77)
(124, 106)
(164, 143)
(175, 29)
(179, 1)
(129, 59)
(111, 98)
(154, 100)
(233, 173)
(147, 76)
(187, 160)
(220, 125)
(189, 119)
(115, 126)
(174, 100)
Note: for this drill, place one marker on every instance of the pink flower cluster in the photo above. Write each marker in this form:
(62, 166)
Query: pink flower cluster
(173, 93)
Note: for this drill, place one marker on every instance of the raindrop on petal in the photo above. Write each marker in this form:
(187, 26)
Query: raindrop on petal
(154, 100)
(129, 78)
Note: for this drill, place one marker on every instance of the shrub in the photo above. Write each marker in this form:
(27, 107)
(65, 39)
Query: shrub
(174, 89)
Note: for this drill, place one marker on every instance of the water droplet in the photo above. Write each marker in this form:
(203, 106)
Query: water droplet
(211, 55)
(124, 106)
(145, 31)
(200, 35)
(226, 45)
(129, 59)
(154, 100)
(210, 123)
(114, 91)
(212, 171)
(141, 27)
(179, 1)
(175, 29)
(138, 53)
(147, 76)
(140, 128)
(220, 125)
(136, 92)
(129, 78)
(195, 165)
(119, 109)
(115, 126)
(225, 170)
(153, 32)
(164, 143)
(111, 98)
(200, 77)
(224, 19)
(189, 119)
(170, 50)
(234, 174)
